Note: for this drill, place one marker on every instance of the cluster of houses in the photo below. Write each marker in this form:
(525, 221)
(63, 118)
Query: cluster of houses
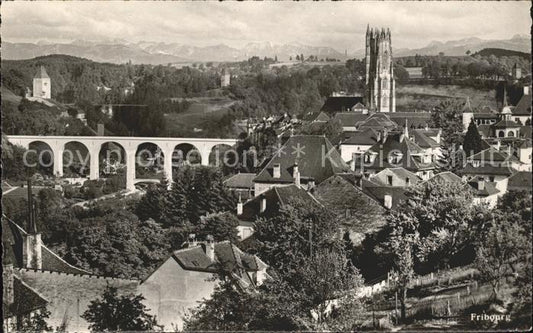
(358, 176)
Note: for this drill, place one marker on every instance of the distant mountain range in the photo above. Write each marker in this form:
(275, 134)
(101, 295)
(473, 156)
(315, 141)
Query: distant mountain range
(119, 51)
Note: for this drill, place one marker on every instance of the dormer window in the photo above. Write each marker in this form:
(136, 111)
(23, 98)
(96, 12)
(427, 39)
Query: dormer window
(476, 164)
(395, 158)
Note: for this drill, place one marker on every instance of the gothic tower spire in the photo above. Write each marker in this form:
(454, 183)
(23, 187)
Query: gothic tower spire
(380, 84)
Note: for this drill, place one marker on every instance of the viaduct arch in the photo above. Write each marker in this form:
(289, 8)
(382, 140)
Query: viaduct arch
(130, 146)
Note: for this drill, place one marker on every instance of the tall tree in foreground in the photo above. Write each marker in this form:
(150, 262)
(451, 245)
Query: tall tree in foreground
(118, 313)
(473, 143)
(448, 116)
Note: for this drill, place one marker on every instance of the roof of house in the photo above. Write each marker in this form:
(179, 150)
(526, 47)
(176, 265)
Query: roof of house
(315, 155)
(504, 123)
(423, 139)
(367, 136)
(488, 189)
(492, 154)
(525, 131)
(319, 116)
(12, 238)
(413, 119)
(523, 108)
(228, 257)
(25, 300)
(381, 177)
(484, 130)
(340, 193)
(349, 119)
(446, 176)
(240, 180)
(379, 191)
(340, 103)
(486, 169)
(377, 121)
(276, 197)
(41, 74)
(519, 181)
(398, 142)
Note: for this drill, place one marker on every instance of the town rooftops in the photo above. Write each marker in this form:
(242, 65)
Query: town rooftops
(335, 104)
(393, 143)
(240, 180)
(315, 156)
(274, 199)
(227, 257)
(41, 74)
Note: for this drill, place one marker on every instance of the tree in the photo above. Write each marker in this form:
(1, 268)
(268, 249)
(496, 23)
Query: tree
(222, 226)
(473, 143)
(499, 251)
(442, 218)
(403, 273)
(35, 322)
(118, 313)
(196, 191)
(448, 117)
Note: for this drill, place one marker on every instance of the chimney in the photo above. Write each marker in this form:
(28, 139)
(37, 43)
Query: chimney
(385, 134)
(387, 201)
(310, 184)
(296, 174)
(239, 206)
(100, 130)
(277, 171)
(210, 247)
(31, 244)
(481, 185)
(262, 204)
(9, 294)
(191, 241)
(526, 90)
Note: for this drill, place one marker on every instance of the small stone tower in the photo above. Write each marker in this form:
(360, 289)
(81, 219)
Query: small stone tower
(380, 84)
(42, 85)
(225, 80)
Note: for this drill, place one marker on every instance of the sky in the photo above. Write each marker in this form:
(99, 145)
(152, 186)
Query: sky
(340, 25)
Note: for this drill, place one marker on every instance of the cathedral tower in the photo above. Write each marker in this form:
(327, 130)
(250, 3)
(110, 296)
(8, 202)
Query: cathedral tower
(380, 85)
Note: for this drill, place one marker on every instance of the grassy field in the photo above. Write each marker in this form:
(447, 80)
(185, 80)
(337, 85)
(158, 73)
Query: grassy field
(202, 110)
(412, 97)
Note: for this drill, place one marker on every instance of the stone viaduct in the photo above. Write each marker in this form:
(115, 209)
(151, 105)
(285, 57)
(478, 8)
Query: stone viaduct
(204, 146)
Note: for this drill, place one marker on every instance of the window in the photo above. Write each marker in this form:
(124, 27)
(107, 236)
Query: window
(389, 180)
(407, 181)
(491, 178)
